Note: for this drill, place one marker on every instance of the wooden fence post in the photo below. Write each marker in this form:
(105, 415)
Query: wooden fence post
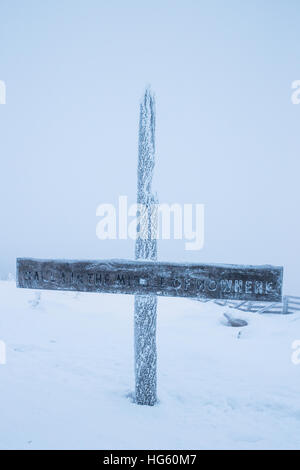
(285, 306)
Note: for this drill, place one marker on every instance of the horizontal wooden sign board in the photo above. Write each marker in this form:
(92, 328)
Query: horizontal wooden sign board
(208, 281)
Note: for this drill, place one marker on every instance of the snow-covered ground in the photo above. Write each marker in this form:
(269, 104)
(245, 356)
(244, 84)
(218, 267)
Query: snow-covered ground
(68, 379)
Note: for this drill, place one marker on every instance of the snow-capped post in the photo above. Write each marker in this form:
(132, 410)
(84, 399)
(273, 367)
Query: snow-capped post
(145, 306)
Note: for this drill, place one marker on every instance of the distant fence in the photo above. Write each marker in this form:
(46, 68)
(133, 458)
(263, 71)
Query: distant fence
(290, 304)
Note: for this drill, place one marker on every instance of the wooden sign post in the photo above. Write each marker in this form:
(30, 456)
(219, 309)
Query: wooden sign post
(146, 278)
(145, 306)
(143, 278)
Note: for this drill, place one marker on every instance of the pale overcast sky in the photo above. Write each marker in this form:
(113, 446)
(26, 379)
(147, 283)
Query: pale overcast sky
(227, 131)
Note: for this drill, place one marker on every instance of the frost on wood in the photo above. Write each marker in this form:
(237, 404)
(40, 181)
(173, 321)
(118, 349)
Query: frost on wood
(144, 277)
(146, 243)
(145, 306)
(145, 349)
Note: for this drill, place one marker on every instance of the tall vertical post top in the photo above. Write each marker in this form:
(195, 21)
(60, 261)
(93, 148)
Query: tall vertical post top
(146, 157)
(146, 243)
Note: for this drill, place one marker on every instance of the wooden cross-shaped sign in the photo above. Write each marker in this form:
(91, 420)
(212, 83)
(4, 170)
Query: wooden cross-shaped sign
(198, 281)
(146, 278)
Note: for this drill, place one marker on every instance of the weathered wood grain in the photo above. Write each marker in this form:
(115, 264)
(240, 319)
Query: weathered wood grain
(145, 306)
(209, 281)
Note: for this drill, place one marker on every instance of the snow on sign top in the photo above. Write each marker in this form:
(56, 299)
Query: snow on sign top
(209, 281)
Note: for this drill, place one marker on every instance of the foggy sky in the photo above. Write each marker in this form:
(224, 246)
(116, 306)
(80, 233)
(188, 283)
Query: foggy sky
(227, 132)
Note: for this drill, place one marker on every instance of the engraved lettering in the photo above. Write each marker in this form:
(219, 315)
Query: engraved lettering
(212, 286)
(27, 276)
(91, 278)
(238, 286)
(248, 287)
(259, 287)
(155, 278)
(269, 287)
(121, 279)
(200, 285)
(176, 283)
(226, 286)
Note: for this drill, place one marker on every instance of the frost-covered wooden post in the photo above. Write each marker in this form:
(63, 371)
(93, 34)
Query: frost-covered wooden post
(146, 278)
(146, 249)
(285, 305)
